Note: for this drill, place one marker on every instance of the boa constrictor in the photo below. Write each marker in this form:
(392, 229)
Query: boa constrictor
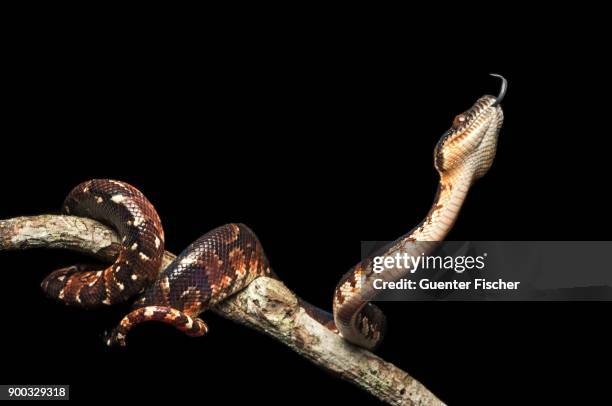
(228, 258)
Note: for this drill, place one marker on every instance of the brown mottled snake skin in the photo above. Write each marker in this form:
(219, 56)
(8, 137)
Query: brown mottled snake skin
(228, 258)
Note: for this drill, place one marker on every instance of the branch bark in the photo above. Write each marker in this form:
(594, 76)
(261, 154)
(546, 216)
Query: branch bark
(266, 305)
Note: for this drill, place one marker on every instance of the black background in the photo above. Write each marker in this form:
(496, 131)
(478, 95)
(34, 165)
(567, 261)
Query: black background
(316, 140)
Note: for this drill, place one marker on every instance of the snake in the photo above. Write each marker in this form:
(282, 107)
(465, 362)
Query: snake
(228, 258)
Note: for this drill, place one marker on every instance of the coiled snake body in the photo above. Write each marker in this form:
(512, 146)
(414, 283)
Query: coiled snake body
(228, 258)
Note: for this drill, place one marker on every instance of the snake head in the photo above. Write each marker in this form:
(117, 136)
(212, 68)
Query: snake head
(471, 142)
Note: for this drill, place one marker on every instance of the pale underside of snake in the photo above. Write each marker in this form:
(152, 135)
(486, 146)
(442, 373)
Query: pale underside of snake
(228, 258)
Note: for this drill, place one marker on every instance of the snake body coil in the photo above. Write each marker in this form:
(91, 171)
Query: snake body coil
(228, 258)
(124, 208)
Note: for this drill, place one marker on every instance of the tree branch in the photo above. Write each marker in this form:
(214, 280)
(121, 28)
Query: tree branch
(266, 305)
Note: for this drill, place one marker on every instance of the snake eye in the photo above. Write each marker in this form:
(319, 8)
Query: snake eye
(459, 120)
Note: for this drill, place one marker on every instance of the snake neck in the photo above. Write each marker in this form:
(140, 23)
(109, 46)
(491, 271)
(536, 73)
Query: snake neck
(424, 238)
(452, 191)
(362, 323)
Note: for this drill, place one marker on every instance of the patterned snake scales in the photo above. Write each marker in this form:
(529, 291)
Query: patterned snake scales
(228, 258)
